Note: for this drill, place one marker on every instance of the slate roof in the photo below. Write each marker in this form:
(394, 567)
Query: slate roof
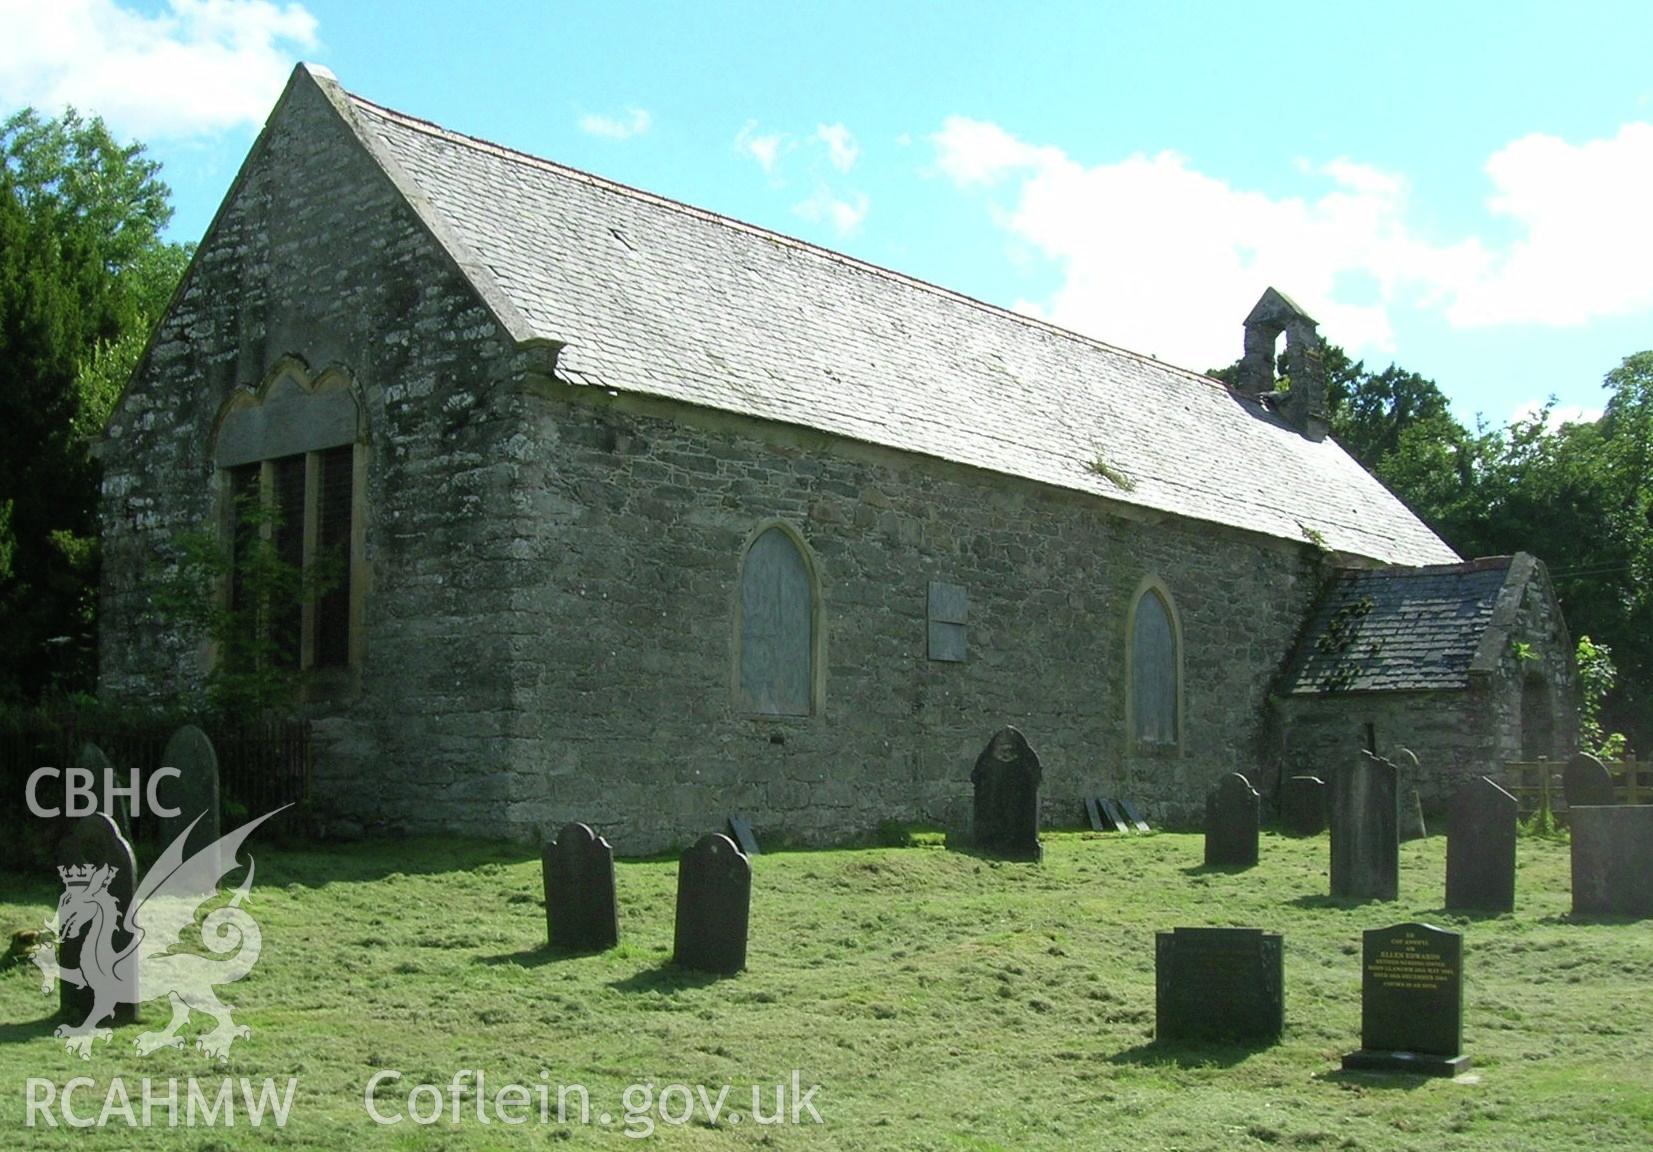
(651, 296)
(1404, 629)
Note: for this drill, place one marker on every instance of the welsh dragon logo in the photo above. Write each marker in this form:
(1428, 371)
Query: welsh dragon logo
(151, 965)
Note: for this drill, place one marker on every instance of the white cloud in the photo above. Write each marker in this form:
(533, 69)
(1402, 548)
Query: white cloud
(1160, 257)
(1559, 413)
(840, 144)
(844, 213)
(197, 67)
(764, 148)
(635, 122)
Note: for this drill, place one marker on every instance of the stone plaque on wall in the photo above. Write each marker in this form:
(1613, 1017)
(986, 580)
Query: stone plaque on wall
(1218, 984)
(948, 608)
(1411, 1002)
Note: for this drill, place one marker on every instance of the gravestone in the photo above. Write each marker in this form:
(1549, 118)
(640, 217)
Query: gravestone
(740, 830)
(92, 759)
(1303, 805)
(91, 844)
(1093, 813)
(1110, 810)
(1612, 850)
(1411, 809)
(1586, 782)
(1218, 984)
(1233, 811)
(714, 898)
(1411, 1002)
(581, 911)
(1006, 778)
(1480, 848)
(194, 791)
(1135, 815)
(1365, 823)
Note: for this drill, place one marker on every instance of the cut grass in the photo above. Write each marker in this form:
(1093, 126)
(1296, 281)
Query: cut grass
(939, 1000)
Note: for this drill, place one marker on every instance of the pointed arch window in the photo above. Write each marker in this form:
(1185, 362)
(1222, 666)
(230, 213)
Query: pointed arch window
(778, 628)
(1155, 670)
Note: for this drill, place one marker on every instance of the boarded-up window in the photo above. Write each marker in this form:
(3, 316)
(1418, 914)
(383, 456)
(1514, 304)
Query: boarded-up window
(287, 617)
(1153, 672)
(336, 469)
(777, 629)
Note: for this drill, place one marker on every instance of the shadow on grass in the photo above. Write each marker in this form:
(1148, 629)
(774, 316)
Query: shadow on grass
(1188, 1053)
(1587, 918)
(666, 977)
(30, 1030)
(1216, 869)
(1336, 901)
(1401, 1081)
(537, 957)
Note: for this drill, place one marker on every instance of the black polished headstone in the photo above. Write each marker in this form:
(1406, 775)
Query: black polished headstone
(1218, 984)
(1111, 811)
(1233, 812)
(193, 792)
(1093, 813)
(1586, 782)
(714, 900)
(1303, 805)
(1480, 848)
(1612, 852)
(1411, 1002)
(1365, 823)
(1006, 779)
(740, 830)
(1135, 815)
(94, 842)
(581, 910)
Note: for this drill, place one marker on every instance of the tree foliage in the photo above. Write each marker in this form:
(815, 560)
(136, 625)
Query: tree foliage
(84, 273)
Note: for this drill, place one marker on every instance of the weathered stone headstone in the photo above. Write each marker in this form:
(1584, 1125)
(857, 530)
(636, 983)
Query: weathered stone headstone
(1411, 1002)
(1135, 815)
(1612, 860)
(1093, 813)
(581, 911)
(1586, 782)
(1110, 810)
(92, 759)
(1218, 984)
(104, 877)
(740, 830)
(1303, 805)
(1006, 778)
(714, 898)
(194, 791)
(1412, 826)
(1233, 812)
(1480, 848)
(1365, 824)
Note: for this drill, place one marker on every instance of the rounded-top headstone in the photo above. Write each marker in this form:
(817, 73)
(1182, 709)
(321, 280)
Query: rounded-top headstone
(1586, 782)
(1006, 779)
(714, 897)
(91, 759)
(194, 791)
(96, 842)
(581, 910)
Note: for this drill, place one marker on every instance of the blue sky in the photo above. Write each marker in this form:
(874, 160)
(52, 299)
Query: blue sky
(1462, 188)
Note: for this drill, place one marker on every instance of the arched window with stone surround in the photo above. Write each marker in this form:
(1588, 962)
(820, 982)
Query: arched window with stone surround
(1154, 670)
(777, 633)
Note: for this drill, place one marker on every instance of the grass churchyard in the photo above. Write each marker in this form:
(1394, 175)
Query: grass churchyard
(939, 1000)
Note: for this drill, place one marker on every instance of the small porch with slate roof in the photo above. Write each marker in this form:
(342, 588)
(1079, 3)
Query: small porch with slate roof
(1464, 665)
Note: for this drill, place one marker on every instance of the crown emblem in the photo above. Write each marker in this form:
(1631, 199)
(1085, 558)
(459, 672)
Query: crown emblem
(80, 875)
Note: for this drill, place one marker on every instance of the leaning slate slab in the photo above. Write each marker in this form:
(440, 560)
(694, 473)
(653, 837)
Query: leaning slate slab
(1233, 811)
(1612, 850)
(1586, 782)
(1411, 1002)
(194, 791)
(714, 899)
(1135, 815)
(581, 910)
(1480, 848)
(745, 839)
(1365, 824)
(1006, 779)
(1218, 984)
(1093, 814)
(1111, 811)
(96, 865)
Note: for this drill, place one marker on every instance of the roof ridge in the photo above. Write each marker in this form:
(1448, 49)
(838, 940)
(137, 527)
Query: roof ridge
(430, 127)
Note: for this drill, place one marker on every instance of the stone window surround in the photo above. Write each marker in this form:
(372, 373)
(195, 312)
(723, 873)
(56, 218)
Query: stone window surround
(817, 655)
(1151, 584)
(293, 411)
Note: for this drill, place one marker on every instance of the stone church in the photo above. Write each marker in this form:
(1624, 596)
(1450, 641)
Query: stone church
(646, 516)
